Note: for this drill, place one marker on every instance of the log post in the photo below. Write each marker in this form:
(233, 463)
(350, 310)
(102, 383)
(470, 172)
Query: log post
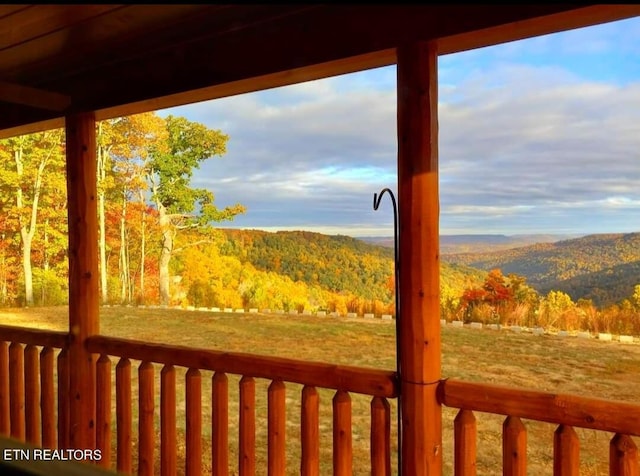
(83, 275)
(419, 258)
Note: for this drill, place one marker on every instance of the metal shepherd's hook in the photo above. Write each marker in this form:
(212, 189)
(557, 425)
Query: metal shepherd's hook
(396, 240)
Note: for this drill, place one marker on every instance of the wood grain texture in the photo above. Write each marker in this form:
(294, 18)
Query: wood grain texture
(146, 426)
(514, 447)
(63, 399)
(193, 408)
(465, 444)
(342, 436)
(5, 395)
(124, 417)
(220, 424)
(168, 439)
(380, 437)
(566, 452)
(83, 274)
(247, 430)
(339, 377)
(309, 432)
(572, 410)
(420, 346)
(103, 409)
(623, 456)
(276, 427)
(47, 385)
(16, 390)
(32, 409)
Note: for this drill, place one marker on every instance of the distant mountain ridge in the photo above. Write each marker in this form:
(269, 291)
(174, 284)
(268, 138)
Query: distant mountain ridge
(481, 243)
(602, 267)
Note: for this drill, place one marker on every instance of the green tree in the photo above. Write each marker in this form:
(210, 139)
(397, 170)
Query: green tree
(179, 205)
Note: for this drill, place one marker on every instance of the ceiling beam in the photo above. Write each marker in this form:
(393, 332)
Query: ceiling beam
(33, 97)
(329, 41)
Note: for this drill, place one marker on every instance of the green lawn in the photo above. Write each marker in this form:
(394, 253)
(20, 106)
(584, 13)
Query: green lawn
(548, 363)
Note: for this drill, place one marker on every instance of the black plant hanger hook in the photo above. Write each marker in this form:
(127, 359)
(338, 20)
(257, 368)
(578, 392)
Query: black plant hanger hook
(377, 198)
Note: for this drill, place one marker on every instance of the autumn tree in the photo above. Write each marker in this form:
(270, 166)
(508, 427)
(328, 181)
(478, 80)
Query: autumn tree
(28, 162)
(123, 148)
(180, 206)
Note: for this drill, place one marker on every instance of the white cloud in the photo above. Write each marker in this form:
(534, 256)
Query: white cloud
(524, 147)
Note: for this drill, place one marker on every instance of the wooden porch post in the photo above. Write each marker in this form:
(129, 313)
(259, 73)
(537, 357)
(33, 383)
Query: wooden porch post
(419, 258)
(83, 276)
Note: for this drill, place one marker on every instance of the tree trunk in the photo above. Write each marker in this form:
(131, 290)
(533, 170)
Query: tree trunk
(102, 244)
(26, 268)
(165, 255)
(142, 248)
(124, 263)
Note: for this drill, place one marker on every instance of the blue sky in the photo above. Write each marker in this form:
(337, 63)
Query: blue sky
(536, 136)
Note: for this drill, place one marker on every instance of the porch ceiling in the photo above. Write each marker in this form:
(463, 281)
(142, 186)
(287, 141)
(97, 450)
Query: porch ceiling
(123, 59)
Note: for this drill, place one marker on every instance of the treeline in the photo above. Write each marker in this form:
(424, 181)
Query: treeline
(509, 300)
(297, 270)
(600, 267)
(144, 198)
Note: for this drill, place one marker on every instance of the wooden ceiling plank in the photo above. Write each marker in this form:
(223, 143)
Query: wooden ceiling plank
(285, 53)
(93, 33)
(28, 96)
(269, 81)
(34, 23)
(286, 46)
(202, 26)
(6, 10)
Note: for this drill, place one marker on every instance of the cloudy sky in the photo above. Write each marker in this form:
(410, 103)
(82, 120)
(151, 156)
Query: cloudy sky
(536, 136)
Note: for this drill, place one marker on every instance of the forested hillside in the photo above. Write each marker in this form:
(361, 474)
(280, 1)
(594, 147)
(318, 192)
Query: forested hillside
(604, 287)
(335, 263)
(582, 260)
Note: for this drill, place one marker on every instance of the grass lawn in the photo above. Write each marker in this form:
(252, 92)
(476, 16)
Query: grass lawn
(568, 365)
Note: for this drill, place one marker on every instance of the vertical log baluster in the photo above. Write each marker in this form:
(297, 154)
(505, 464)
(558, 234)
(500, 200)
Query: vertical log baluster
(220, 424)
(247, 432)
(168, 441)
(566, 452)
(63, 399)
(465, 443)
(310, 433)
(514, 447)
(380, 437)
(47, 398)
(342, 441)
(5, 409)
(123, 416)
(276, 429)
(32, 394)
(623, 456)
(146, 409)
(16, 389)
(103, 409)
(193, 462)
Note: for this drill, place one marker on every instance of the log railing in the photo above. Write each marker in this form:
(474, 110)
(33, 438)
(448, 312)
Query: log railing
(344, 380)
(27, 386)
(567, 411)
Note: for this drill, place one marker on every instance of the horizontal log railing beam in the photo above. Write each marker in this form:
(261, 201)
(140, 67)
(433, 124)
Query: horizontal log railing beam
(580, 412)
(39, 337)
(379, 383)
